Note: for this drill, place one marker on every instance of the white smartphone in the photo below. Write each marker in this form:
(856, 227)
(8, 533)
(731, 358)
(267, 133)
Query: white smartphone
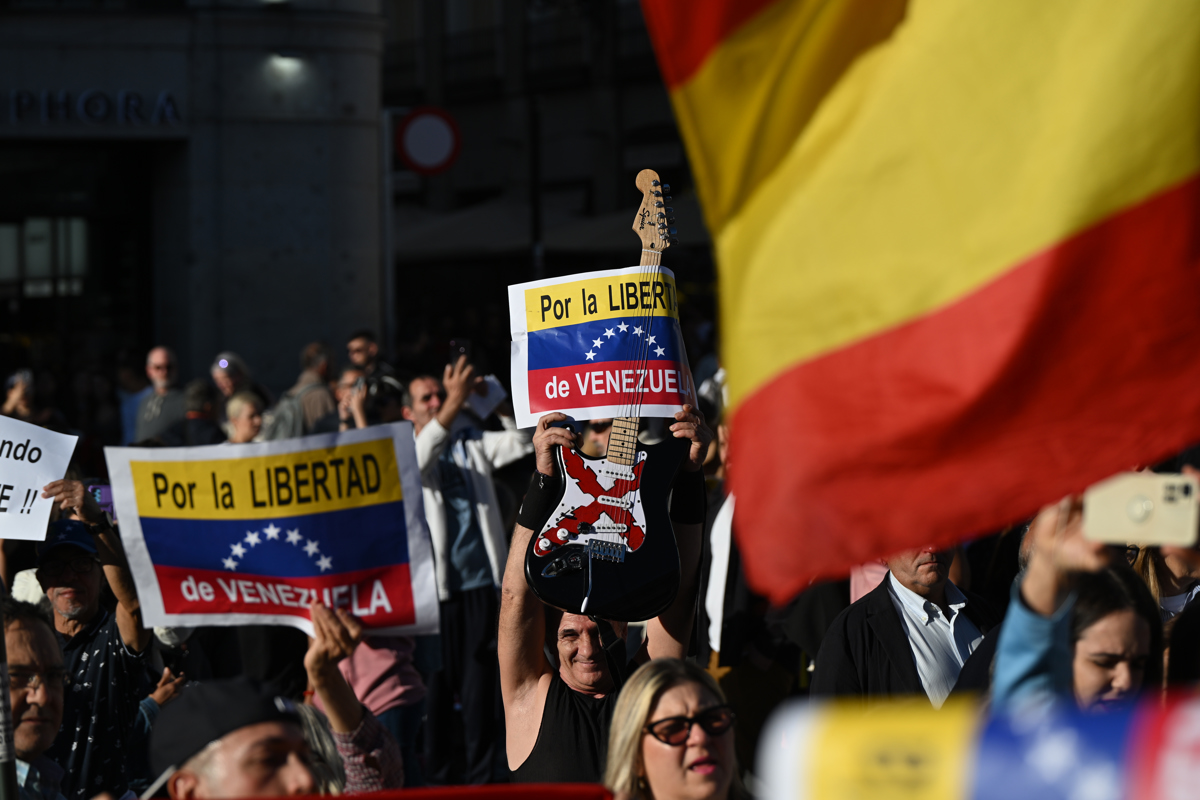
(1145, 508)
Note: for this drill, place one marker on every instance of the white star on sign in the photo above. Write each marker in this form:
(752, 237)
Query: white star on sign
(658, 351)
(608, 332)
(325, 562)
(271, 531)
(252, 538)
(638, 330)
(294, 537)
(238, 550)
(650, 340)
(590, 355)
(312, 547)
(623, 327)
(597, 343)
(229, 563)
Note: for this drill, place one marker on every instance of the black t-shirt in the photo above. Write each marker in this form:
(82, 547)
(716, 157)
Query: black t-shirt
(572, 742)
(108, 681)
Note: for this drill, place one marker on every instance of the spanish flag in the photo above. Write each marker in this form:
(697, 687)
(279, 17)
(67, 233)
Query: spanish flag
(958, 256)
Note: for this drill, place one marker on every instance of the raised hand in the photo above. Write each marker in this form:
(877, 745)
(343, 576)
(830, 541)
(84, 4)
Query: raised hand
(73, 497)
(545, 437)
(690, 424)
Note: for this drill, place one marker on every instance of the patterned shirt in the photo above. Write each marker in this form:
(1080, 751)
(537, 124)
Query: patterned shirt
(370, 756)
(108, 682)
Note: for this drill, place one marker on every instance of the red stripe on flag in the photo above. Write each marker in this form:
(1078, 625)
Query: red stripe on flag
(1070, 367)
(203, 591)
(608, 383)
(684, 32)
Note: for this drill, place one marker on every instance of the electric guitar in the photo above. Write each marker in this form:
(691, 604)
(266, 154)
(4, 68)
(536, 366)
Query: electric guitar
(609, 550)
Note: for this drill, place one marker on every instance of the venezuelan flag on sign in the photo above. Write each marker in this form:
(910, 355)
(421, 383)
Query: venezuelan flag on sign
(958, 257)
(256, 533)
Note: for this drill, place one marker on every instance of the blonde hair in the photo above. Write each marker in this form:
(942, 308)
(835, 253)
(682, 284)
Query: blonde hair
(1146, 565)
(234, 407)
(638, 699)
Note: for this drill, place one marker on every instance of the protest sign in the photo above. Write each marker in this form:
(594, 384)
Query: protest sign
(254, 533)
(30, 457)
(598, 344)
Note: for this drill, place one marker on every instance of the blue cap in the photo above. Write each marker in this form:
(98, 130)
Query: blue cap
(64, 532)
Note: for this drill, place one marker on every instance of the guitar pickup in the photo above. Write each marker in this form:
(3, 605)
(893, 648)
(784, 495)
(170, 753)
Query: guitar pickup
(619, 502)
(563, 565)
(606, 551)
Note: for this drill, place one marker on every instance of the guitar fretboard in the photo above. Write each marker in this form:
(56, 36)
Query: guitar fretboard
(623, 438)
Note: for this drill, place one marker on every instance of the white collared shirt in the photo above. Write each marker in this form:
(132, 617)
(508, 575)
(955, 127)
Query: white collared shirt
(939, 644)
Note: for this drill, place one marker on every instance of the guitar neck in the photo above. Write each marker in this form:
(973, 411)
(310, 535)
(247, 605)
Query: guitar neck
(622, 439)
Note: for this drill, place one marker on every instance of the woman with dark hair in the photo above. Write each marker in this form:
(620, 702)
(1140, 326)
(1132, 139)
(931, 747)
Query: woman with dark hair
(1080, 623)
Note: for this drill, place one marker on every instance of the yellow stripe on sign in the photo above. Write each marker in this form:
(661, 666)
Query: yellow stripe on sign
(573, 302)
(289, 484)
(897, 750)
(977, 136)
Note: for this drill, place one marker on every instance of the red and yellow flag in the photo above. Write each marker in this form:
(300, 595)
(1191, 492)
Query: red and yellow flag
(958, 254)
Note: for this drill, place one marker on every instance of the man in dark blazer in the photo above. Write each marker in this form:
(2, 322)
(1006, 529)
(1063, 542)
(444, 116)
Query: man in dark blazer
(910, 635)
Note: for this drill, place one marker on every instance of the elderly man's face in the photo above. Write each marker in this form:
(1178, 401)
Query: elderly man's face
(427, 396)
(36, 672)
(71, 578)
(268, 759)
(922, 571)
(582, 665)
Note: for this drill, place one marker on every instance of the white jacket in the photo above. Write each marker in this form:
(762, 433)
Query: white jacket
(485, 451)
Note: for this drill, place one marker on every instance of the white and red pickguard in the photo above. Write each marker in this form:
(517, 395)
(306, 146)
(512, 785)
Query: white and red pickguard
(602, 501)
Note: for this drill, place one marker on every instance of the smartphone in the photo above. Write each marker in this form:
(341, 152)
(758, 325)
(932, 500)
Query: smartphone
(459, 347)
(1144, 508)
(103, 497)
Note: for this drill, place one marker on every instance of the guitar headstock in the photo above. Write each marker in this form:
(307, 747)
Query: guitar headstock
(654, 223)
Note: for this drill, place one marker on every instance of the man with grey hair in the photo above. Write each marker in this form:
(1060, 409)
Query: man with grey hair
(103, 651)
(163, 407)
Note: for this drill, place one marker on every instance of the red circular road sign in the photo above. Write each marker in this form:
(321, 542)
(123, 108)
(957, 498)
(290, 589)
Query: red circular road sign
(427, 140)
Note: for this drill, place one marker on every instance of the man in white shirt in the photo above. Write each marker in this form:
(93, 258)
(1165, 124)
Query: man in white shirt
(910, 635)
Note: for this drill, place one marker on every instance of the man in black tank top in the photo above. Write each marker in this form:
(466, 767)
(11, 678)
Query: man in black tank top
(557, 718)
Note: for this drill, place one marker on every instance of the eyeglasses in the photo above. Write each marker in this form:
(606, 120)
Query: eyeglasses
(80, 566)
(21, 679)
(676, 730)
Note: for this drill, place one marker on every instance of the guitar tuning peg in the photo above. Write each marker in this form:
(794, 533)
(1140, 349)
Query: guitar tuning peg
(667, 198)
(657, 194)
(670, 220)
(654, 183)
(660, 205)
(668, 209)
(672, 231)
(666, 187)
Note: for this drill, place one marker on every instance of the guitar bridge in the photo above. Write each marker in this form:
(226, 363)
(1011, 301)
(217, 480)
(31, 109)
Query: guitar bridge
(606, 551)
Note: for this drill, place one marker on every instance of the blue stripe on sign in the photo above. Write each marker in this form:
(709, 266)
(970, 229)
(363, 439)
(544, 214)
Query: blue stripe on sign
(569, 345)
(289, 547)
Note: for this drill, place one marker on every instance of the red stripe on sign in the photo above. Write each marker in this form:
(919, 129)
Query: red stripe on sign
(381, 597)
(608, 383)
(685, 32)
(1074, 365)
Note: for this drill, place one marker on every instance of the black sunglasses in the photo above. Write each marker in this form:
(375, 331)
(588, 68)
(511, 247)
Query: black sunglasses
(676, 730)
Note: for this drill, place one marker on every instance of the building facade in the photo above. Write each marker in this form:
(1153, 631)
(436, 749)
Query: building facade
(199, 173)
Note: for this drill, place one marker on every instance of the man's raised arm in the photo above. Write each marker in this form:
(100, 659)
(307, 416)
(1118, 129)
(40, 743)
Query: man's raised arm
(522, 619)
(667, 634)
(73, 498)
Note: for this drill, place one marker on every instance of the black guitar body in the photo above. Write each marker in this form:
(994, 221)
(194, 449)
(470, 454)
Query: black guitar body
(612, 546)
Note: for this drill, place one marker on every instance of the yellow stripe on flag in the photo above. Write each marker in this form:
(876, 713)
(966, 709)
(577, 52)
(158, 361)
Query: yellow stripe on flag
(976, 137)
(741, 112)
(269, 487)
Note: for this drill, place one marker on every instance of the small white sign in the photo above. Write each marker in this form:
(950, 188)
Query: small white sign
(30, 458)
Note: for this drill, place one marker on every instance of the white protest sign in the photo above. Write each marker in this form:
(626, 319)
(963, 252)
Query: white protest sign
(598, 345)
(30, 457)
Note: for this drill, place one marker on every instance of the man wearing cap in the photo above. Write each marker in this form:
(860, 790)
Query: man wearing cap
(235, 738)
(37, 681)
(102, 650)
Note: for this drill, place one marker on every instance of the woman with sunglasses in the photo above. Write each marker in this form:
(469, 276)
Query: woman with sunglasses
(672, 737)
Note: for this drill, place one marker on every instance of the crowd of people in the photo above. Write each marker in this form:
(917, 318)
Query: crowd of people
(511, 689)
